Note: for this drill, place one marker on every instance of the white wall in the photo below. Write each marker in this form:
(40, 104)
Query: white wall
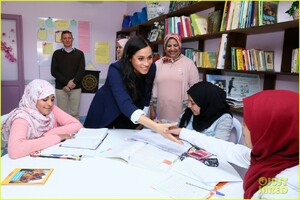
(105, 19)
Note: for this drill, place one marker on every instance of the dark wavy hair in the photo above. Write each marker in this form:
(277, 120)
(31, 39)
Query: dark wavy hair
(133, 45)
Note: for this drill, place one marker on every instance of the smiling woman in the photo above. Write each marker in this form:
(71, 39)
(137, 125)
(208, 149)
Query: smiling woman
(123, 101)
(37, 123)
(175, 71)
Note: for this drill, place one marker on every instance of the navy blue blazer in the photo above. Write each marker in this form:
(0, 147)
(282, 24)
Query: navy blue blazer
(112, 99)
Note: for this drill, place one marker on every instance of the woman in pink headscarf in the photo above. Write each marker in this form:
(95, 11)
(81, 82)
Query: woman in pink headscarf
(37, 123)
(271, 151)
(175, 74)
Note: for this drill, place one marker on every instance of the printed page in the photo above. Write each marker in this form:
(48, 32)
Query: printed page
(153, 158)
(157, 140)
(178, 186)
(124, 150)
(197, 170)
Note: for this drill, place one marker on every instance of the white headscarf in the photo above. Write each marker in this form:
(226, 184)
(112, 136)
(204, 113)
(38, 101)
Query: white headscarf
(36, 90)
(122, 42)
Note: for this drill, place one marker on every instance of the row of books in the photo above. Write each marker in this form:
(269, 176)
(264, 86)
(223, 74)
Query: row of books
(295, 61)
(186, 26)
(245, 14)
(201, 58)
(251, 59)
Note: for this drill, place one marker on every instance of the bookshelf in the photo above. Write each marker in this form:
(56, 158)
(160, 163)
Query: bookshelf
(236, 38)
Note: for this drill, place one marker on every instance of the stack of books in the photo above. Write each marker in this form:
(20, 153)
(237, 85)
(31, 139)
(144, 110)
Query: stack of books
(235, 102)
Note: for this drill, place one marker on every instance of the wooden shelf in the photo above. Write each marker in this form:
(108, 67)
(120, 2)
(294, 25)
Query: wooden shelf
(236, 38)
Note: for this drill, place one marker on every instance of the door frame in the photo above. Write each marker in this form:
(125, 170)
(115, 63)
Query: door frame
(19, 84)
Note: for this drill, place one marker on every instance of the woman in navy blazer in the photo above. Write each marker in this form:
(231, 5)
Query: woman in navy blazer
(123, 101)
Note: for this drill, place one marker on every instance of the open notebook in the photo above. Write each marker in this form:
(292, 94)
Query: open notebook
(86, 138)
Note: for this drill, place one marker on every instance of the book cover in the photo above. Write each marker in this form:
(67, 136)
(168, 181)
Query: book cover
(26, 176)
(41, 154)
(218, 80)
(211, 59)
(199, 24)
(242, 85)
(269, 15)
(269, 60)
(214, 21)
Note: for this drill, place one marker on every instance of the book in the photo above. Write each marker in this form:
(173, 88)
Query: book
(42, 154)
(21, 176)
(199, 24)
(218, 80)
(147, 149)
(222, 52)
(224, 16)
(211, 59)
(231, 7)
(214, 21)
(142, 155)
(269, 60)
(295, 61)
(233, 58)
(236, 15)
(239, 58)
(244, 85)
(269, 9)
(86, 138)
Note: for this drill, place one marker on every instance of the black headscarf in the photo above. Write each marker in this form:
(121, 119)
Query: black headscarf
(212, 101)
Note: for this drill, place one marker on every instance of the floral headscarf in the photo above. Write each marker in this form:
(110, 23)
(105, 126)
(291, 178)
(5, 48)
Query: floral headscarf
(36, 90)
(177, 37)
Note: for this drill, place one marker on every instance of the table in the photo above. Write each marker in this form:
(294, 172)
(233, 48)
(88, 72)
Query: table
(92, 177)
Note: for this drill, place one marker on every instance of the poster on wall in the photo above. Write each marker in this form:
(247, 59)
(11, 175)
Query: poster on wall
(48, 40)
(90, 81)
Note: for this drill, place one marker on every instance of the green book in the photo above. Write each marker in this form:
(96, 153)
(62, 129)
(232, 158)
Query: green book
(214, 21)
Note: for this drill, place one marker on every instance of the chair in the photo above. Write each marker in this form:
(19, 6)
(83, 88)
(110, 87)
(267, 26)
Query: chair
(3, 144)
(238, 129)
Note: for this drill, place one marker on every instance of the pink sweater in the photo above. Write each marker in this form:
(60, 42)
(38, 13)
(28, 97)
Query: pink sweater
(19, 146)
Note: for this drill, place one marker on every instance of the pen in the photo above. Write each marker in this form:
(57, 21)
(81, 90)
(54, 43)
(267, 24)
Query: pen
(206, 188)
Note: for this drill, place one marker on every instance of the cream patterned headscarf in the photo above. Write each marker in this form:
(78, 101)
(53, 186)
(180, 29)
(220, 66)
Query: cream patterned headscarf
(36, 90)
(122, 42)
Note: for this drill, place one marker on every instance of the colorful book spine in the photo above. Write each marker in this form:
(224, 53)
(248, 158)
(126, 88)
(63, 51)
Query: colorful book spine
(222, 52)
(224, 16)
(239, 59)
